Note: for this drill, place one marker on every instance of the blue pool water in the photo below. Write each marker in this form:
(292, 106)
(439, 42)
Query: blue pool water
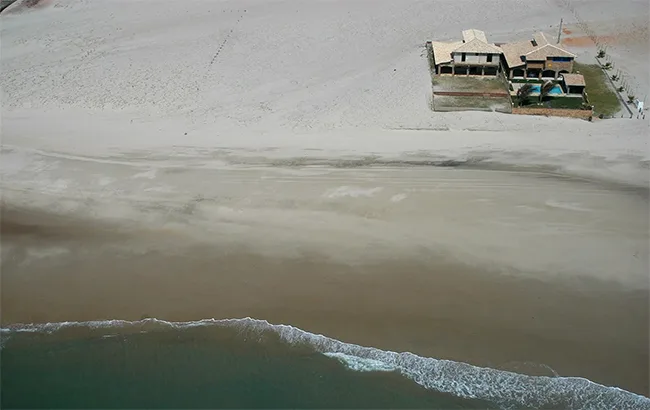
(554, 91)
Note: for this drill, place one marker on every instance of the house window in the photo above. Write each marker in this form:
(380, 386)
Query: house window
(489, 58)
(462, 57)
(562, 59)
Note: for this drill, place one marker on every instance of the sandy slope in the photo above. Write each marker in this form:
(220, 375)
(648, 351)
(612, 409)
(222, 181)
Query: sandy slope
(527, 223)
(99, 96)
(161, 85)
(285, 74)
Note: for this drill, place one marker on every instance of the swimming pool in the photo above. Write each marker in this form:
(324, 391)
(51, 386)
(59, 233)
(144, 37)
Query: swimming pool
(556, 90)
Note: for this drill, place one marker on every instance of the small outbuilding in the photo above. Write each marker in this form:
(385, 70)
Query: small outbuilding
(573, 83)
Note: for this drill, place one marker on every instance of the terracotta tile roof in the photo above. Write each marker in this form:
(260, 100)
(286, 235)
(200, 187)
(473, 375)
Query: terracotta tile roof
(478, 46)
(540, 39)
(471, 34)
(573, 79)
(514, 51)
(549, 50)
(442, 51)
(474, 41)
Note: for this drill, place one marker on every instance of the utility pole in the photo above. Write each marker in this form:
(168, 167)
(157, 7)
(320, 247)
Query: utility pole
(559, 33)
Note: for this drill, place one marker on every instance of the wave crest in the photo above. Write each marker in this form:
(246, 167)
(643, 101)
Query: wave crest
(506, 389)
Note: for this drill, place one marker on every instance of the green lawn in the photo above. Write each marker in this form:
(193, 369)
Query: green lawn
(566, 102)
(599, 92)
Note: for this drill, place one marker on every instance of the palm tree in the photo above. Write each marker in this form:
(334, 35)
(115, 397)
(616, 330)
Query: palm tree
(523, 93)
(545, 90)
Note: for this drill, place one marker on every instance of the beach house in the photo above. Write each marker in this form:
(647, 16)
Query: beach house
(536, 58)
(474, 55)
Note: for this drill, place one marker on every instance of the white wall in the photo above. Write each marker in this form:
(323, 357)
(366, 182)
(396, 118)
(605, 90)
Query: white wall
(476, 59)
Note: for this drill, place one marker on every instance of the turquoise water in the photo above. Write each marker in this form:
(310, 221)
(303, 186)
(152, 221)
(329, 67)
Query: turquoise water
(249, 363)
(557, 90)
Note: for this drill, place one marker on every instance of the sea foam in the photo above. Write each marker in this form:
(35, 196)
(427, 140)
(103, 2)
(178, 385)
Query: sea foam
(505, 389)
(361, 364)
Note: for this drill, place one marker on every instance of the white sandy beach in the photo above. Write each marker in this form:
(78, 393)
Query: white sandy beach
(301, 129)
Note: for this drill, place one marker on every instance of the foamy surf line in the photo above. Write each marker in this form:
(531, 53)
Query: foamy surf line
(506, 389)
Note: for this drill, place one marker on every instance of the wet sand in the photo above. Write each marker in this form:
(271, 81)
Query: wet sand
(67, 267)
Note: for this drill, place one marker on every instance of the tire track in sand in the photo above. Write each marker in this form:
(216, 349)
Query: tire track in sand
(215, 57)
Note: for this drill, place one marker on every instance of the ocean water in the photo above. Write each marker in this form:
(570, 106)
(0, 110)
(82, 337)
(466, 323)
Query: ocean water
(247, 363)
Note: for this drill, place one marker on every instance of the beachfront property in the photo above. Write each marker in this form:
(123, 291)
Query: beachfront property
(536, 58)
(473, 56)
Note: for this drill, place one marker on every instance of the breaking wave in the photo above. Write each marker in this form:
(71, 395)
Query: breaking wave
(361, 364)
(506, 389)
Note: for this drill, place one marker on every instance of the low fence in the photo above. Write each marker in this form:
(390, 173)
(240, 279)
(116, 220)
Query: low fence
(432, 63)
(506, 84)
(554, 112)
(619, 95)
(471, 94)
(451, 109)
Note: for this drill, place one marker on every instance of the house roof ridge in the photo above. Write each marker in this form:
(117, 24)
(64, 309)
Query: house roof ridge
(541, 34)
(472, 34)
(478, 45)
(536, 49)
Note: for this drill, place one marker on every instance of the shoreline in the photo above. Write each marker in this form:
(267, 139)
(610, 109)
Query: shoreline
(436, 375)
(427, 306)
